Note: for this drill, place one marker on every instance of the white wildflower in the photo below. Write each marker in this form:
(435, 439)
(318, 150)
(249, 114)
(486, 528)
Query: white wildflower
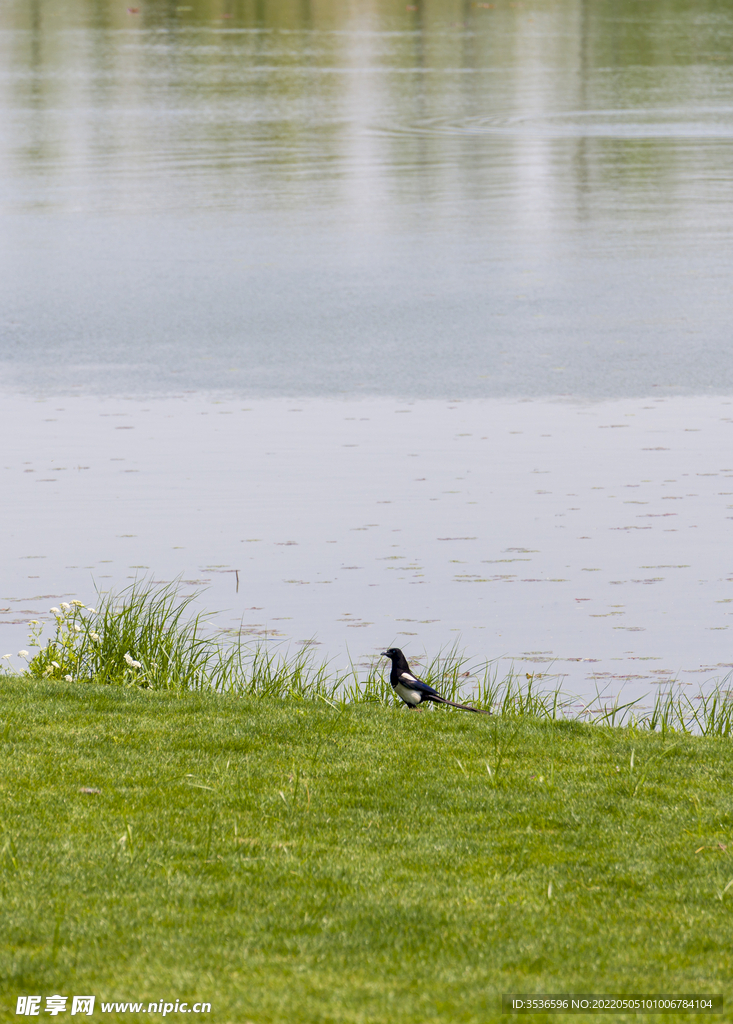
(131, 663)
(55, 664)
(7, 656)
(77, 603)
(47, 671)
(22, 654)
(92, 610)
(76, 627)
(69, 679)
(65, 606)
(94, 636)
(55, 611)
(32, 622)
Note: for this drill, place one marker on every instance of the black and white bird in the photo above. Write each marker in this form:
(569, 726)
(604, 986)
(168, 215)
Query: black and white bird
(414, 691)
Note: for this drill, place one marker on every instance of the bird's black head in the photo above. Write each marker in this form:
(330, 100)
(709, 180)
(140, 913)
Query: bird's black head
(392, 652)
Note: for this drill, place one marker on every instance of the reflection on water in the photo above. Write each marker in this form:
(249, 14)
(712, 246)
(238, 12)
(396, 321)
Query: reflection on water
(306, 197)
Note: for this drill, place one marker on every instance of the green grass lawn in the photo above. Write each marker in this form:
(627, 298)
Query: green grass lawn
(288, 861)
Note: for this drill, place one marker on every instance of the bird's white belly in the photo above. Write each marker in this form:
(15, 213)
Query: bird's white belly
(411, 696)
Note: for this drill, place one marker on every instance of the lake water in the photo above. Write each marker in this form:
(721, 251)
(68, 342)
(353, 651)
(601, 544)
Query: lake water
(484, 249)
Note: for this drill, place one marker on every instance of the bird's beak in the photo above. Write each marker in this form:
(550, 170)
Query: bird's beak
(384, 654)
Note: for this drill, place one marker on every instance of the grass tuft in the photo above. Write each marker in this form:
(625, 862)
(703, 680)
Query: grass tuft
(148, 637)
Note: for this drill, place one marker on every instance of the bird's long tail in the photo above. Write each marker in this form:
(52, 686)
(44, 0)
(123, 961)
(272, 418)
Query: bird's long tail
(464, 707)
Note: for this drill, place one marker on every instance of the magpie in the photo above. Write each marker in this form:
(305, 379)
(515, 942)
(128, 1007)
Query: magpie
(414, 691)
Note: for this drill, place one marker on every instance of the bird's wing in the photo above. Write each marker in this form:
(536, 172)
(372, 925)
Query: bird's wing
(408, 679)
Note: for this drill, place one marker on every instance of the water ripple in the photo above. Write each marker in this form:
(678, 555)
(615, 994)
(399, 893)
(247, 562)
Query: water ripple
(636, 123)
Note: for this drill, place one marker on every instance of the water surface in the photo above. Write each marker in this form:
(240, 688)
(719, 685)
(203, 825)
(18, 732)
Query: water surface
(435, 199)
(585, 540)
(277, 280)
